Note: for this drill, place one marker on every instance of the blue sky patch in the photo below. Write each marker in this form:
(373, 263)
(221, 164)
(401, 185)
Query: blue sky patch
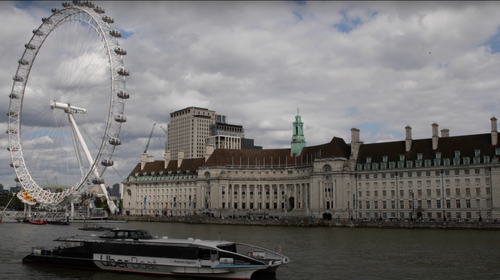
(298, 15)
(494, 42)
(126, 34)
(349, 23)
(301, 3)
(23, 4)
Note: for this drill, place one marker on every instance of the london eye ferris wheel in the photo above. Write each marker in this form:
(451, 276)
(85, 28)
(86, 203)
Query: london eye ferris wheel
(67, 104)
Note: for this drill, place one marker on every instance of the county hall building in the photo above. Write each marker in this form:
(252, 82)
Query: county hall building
(442, 176)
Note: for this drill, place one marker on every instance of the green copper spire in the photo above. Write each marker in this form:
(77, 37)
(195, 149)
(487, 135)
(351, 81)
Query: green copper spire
(298, 139)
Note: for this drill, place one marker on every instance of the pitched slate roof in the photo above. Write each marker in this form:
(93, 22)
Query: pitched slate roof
(447, 146)
(191, 165)
(221, 157)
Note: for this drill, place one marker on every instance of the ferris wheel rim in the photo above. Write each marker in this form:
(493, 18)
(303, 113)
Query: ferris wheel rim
(116, 102)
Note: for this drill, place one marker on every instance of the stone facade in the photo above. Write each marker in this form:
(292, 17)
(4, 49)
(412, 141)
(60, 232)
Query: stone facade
(452, 177)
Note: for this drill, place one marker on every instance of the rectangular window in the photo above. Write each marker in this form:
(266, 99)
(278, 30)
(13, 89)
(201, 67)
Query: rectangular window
(401, 204)
(401, 193)
(457, 192)
(438, 192)
(384, 193)
(457, 171)
(448, 204)
(429, 192)
(393, 204)
(429, 204)
(478, 191)
(360, 205)
(393, 193)
(467, 203)
(478, 181)
(384, 204)
(438, 204)
(375, 204)
(448, 192)
(457, 182)
(467, 191)
(458, 203)
(375, 193)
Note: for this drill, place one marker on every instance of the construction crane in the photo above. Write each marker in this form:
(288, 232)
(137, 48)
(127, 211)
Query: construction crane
(149, 140)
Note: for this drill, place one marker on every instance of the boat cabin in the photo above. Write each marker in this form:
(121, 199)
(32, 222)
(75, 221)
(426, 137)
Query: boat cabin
(127, 233)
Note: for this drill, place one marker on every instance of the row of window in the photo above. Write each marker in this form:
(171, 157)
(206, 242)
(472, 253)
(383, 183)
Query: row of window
(428, 215)
(431, 204)
(422, 163)
(409, 174)
(419, 192)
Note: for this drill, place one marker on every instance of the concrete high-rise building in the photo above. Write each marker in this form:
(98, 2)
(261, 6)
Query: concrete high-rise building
(191, 129)
(224, 135)
(188, 130)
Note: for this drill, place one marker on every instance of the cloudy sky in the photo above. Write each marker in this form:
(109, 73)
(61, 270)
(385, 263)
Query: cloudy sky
(376, 66)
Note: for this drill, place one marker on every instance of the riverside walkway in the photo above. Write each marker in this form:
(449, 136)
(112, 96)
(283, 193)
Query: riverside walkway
(303, 221)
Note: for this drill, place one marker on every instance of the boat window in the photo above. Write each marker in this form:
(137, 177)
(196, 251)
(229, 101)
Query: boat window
(230, 247)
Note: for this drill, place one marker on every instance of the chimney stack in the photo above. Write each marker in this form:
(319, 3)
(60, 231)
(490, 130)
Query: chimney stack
(494, 131)
(408, 138)
(445, 133)
(209, 150)
(144, 159)
(435, 136)
(168, 157)
(354, 135)
(180, 157)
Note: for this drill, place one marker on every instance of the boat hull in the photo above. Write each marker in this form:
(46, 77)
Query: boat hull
(144, 265)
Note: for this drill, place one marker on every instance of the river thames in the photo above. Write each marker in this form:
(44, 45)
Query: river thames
(315, 253)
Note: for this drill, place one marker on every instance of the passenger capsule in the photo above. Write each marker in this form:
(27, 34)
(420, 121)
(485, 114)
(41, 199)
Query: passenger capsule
(89, 4)
(17, 180)
(120, 51)
(38, 32)
(12, 114)
(120, 118)
(23, 62)
(99, 10)
(13, 96)
(115, 141)
(29, 46)
(108, 19)
(115, 33)
(77, 3)
(17, 79)
(66, 4)
(13, 149)
(55, 10)
(123, 72)
(97, 181)
(44, 19)
(12, 165)
(11, 131)
(107, 162)
(123, 95)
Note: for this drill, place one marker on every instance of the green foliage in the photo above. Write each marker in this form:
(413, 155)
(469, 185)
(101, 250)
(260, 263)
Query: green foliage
(15, 203)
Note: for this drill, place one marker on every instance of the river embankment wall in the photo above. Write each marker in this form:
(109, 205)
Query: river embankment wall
(298, 221)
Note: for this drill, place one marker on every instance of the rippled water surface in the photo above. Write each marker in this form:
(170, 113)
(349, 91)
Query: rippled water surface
(315, 253)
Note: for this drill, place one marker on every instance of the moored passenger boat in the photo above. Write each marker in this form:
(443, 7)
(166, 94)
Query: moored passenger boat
(137, 251)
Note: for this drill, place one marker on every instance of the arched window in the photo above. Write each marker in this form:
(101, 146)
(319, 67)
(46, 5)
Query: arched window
(327, 168)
